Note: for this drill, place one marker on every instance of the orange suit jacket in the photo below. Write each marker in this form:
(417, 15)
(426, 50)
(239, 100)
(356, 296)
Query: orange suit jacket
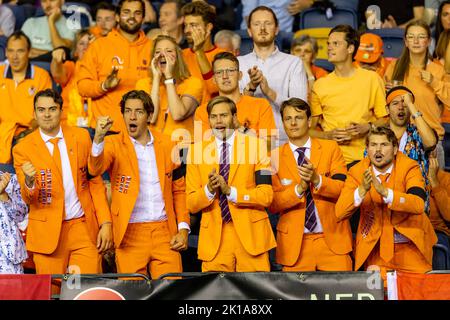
(326, 156)
(406, 213)
(46, 199)
(254, 193)
(119, 158)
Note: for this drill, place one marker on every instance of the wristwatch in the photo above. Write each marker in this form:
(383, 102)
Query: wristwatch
(169, 81)
(416, 115)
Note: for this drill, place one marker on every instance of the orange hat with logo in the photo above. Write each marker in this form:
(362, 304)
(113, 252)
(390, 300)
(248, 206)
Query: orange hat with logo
(370, 48)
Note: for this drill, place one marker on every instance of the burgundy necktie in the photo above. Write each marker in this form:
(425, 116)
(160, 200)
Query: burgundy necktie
(310, 215)
(224, 170)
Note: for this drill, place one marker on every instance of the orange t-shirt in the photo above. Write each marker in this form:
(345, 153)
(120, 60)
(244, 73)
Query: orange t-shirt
(445, 117)
(253, 113)
(16, 104)
(210, 89)
(179, 131)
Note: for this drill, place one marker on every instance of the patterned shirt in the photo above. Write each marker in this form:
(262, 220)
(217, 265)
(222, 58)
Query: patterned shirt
(13, 211)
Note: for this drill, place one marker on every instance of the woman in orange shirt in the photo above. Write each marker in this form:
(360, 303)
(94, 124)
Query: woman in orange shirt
(64, 72)
(175, 93)
(426, 79)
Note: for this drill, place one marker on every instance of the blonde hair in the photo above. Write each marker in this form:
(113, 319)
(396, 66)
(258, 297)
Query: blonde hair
(181, 70)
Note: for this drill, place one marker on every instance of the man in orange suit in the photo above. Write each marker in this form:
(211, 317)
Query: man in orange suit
(394, 231)
(69, 218)
(228, 179)
(306, 188)
(150, 220)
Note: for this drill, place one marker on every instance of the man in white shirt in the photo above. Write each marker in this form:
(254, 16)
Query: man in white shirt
(150, 220)
(268, 72)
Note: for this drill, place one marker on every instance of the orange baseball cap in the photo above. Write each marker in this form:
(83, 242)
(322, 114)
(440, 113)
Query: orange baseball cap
(370, 48)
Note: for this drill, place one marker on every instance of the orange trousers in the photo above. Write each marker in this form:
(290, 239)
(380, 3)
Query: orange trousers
(407, 258)
(232, 256)
(147, 245)
(75, 253)
(316, 256)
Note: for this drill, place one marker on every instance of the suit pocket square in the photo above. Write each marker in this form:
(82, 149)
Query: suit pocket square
(286, 182)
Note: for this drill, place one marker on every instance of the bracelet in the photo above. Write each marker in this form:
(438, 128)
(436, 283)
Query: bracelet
(169, 81)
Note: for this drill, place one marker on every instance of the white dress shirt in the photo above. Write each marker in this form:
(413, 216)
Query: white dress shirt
(307, 145)
(233, 193)
(72, 204)
(150, 205)
(285, 75)
(398, 237)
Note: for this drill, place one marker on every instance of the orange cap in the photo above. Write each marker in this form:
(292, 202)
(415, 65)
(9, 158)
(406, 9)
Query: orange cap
(370, 48)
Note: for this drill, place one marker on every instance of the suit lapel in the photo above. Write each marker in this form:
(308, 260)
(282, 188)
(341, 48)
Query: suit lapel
(316, 153)
(72, 152)
(289, 161)
(131, 154)
(160, 160)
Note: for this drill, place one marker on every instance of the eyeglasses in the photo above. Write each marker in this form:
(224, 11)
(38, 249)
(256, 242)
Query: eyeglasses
(420, 37)
(221, 72)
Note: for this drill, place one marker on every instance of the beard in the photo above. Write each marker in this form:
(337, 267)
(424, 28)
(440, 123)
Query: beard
(130, 30)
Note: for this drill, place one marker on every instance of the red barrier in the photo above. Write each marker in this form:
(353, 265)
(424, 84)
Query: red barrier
(25, 287)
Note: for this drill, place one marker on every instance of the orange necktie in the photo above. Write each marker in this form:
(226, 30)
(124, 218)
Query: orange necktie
(56, 154)
(387, 231)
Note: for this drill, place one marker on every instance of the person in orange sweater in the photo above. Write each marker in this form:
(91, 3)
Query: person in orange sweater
(425, 78)
(65, 73)
(394, 232)
(175, 93)
(19, 82)
(254, 115)
(112, 64)
(198, 24)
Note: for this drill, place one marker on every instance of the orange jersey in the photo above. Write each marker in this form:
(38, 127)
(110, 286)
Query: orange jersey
(177, 130)
(131, 58)
(210, 88)
(16, 104)
(253, 113)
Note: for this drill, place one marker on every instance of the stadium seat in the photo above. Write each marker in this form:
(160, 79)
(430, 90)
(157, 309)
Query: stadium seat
(324, 64)
(352, 4)
(2, 48)
(439, 249)
(316, 18)
(321, 35)
(393, 41)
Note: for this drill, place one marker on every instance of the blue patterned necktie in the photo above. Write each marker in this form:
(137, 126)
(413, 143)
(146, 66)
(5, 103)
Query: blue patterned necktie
(224, 170)
(310, 215)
